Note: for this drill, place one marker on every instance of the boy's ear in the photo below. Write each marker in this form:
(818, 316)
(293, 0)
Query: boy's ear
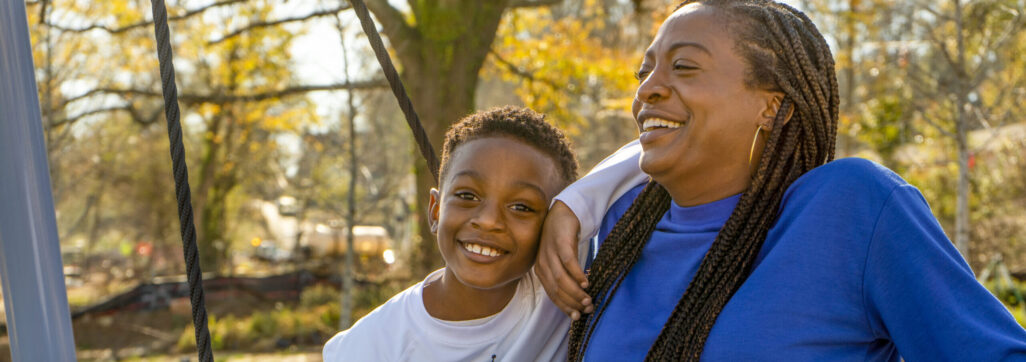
(433, 210)
(769, 112)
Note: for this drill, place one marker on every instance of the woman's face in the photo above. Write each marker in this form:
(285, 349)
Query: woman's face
(696, 115)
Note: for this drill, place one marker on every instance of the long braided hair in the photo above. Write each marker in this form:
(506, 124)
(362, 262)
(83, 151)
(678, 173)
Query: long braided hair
(784, 52)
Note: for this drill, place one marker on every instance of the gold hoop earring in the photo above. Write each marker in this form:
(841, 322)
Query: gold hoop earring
(754, 141)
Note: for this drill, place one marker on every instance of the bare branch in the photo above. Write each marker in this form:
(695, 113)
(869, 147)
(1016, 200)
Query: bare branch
(264, 24)
(533, 3)
(925, 6)
(935, 125)
(393, 23)
(108, 29)
(516, 70)
(77, 117)
(1002, 40)
(42, 11)
(943, 48)
(189, 98)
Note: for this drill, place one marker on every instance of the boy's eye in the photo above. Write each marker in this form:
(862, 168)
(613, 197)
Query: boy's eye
(466, 196)
(521, 208)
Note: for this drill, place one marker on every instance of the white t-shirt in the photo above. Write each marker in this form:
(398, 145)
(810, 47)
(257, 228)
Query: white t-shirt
(591, 196)
(529, 328)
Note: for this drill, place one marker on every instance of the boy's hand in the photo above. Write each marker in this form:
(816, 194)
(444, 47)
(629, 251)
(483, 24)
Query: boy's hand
(557, 266)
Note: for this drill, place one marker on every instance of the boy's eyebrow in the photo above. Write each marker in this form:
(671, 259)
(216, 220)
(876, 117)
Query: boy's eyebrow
(524, 184)
(470, 173)
(531, 186)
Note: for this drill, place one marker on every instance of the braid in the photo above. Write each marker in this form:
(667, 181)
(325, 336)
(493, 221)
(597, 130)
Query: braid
(618, 253)
(785, 52)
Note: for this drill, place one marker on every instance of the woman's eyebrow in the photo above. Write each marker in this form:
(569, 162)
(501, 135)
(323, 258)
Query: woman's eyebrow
(681, 44)
(684, 44)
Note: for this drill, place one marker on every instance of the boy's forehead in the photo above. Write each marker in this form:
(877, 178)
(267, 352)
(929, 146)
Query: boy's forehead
(502, 158)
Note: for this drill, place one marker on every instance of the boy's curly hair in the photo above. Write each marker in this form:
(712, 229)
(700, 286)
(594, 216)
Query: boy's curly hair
(521, 124)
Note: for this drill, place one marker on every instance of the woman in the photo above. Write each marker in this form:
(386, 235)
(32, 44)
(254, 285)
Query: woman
(747, 243)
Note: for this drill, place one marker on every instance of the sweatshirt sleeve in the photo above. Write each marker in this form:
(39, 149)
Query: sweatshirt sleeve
(920, 293)
(591, 196)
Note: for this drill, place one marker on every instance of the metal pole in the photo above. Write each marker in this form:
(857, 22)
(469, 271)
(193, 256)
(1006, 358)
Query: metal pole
(38, 318)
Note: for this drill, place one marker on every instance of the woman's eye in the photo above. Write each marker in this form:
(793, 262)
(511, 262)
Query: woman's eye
(641, 74)
(521, 208)
(682, 66)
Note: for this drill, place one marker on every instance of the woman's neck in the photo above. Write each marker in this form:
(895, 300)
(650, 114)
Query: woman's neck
(693, 191)
(447, 298)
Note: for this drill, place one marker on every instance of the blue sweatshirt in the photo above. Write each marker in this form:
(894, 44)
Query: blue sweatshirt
(856, 268)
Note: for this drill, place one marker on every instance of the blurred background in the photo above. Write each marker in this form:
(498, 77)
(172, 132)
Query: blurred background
(275, 92)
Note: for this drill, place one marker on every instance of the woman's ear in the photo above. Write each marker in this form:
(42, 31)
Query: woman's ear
(774, 100)
(433, 206)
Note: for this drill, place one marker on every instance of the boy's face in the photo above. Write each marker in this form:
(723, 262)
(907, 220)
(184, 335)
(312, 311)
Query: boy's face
(489, 213)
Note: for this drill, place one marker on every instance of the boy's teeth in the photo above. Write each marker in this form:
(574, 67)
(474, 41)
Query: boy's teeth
(660, 123)
(480, 249)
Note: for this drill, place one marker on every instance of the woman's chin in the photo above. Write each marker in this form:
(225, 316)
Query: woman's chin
(653, 165)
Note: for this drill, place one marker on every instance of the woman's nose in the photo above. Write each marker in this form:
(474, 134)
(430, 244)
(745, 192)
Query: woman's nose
(652, 89)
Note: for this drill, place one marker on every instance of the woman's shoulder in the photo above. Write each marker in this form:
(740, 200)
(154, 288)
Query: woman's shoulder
(859, 186)
(854, 174)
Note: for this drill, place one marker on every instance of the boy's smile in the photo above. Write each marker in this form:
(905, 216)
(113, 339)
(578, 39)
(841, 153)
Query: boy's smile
(489, 212)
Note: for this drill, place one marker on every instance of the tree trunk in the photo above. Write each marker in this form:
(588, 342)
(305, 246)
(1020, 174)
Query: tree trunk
(348, 286)
(848, 106)
(441, 61)
(961, 126)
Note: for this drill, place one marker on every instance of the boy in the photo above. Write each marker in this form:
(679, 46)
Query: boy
(499, 171)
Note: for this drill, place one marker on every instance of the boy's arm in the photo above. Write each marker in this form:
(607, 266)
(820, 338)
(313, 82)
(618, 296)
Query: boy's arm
(590, 197)
(574, 218)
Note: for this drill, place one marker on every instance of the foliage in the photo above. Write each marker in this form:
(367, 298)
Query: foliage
(253, 132)
(310, 322)
(575, 63)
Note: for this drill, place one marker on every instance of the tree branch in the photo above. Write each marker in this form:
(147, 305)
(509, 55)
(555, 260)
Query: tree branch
(74, 118)
(393, 24)
(925, 6)
(1014, 25)
(191, 98)
(264, 24)
(123, 29)
(934, 124)
(516, 70)
(533, 3)
(945, 52)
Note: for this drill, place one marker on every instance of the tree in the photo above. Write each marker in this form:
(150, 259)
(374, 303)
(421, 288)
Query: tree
(237, 84)
(441, 47)
(964, 42)
(575, 64)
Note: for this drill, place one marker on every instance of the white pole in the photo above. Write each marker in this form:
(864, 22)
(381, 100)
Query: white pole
(38, 319)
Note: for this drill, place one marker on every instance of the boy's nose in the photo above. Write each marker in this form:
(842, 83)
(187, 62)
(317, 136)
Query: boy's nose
(488, 217)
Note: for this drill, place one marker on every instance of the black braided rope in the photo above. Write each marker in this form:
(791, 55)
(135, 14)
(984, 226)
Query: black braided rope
(397, 86)
(181, 173)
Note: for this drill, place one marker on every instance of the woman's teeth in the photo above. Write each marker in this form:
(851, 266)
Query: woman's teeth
(480, 249)
(653, 123)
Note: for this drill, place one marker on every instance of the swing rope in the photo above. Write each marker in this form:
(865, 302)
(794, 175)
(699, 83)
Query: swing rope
(181, 173)
(419, 135)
